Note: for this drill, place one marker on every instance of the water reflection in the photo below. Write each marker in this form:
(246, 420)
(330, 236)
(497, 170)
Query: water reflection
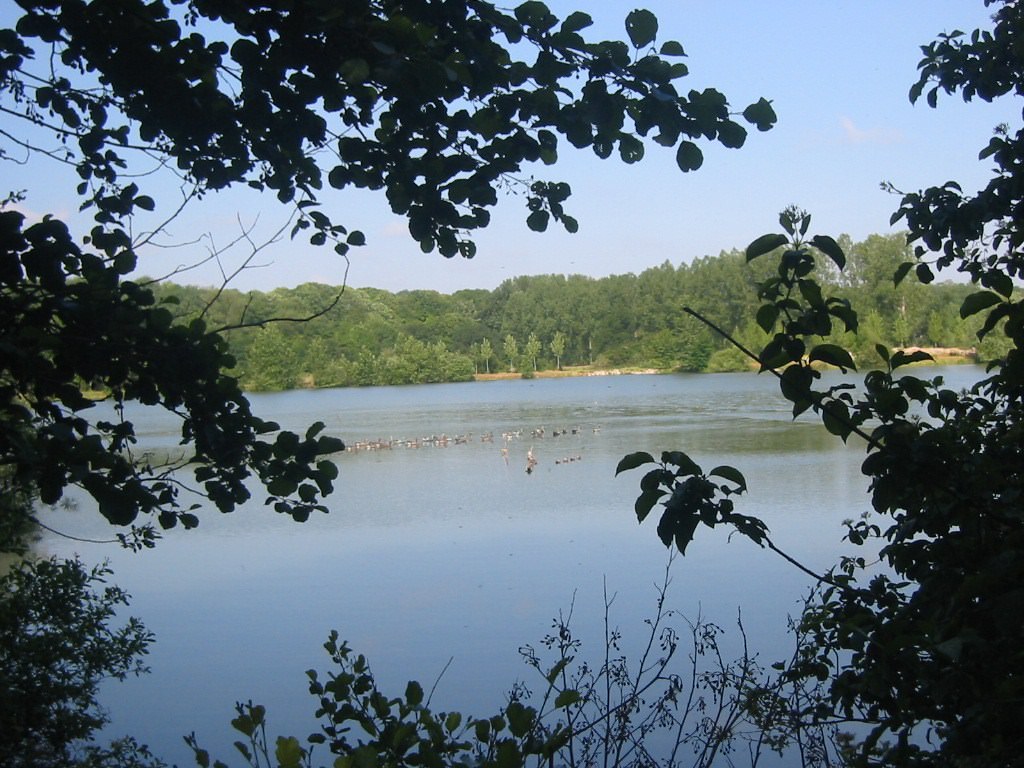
(435, 553)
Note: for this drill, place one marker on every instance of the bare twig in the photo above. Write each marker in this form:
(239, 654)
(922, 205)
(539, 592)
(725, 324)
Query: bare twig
(69, 536)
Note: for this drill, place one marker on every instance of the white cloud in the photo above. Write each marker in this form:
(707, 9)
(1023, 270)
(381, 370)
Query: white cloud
(852, 134)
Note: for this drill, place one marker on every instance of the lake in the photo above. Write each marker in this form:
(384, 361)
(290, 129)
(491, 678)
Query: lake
(454, 552)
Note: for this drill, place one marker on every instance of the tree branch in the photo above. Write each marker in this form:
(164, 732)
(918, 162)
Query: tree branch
(818, 404)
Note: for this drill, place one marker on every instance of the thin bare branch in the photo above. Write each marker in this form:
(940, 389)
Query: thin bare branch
(63, 535)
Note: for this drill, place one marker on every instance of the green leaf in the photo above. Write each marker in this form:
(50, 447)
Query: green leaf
(576, 21)
(686, 465)
(774, 354)
(289, 752)
(634, 460)
(732, 135)
(538, 221)
(508, 755)
(830, 248)
(656, 478)
(355, 71)
(676, 71)
(993, 146)
(901, 272)
(761, 114)
(672, 48)
(338, 177)
(452, 721)
(836, 418)
(689, 157)
(833, 354)
(766, 317)
(482, 729)
(124, 262)
(414, 693)
(243, 724)
(631, 149)
(567, 698)
(979, 301)
(992, 319)
(1000, 282)
(901, 358)
(535, 14)
(795, 385)
(842, 310)
(811, 292)
(281, 486)
(952, 648)
(556, 670)
(487, 122)
(677, 528)
(642, 27)
(765, 244)
(645, 502)
(520, 718)
(731, 474)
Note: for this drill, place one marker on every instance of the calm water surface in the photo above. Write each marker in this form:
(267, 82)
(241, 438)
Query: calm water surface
(457, 553)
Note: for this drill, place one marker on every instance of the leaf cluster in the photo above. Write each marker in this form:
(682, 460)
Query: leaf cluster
(59, 641)
(72, 322)
(620, 708)
(899, 648)
(693, 497)
(362, 727)
(427, 103)
(923, 654)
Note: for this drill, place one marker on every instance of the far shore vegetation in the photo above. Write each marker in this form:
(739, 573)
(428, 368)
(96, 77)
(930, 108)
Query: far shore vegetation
(556, 325)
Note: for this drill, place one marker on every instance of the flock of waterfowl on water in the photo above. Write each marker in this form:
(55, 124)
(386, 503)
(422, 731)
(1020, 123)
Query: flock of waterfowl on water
(444, 440)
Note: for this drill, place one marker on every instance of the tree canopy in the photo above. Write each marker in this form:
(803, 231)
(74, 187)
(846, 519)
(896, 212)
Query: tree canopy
(374, 337)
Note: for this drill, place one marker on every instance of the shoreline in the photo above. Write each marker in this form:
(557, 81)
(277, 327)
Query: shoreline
(573, 372)
(956, 357)
(940, 355)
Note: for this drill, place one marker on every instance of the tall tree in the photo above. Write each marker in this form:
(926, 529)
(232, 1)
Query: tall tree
(486, 353)
(272, 362)
(558, 348)
(511, 347)
(58, 643)
(532, 349)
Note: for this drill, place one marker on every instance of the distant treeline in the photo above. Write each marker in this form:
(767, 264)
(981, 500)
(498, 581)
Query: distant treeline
(529, 324)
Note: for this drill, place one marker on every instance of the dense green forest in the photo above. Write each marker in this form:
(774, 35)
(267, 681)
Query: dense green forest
(527, 324)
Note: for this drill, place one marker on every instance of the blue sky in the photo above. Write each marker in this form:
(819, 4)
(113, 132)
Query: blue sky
(837, 73)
